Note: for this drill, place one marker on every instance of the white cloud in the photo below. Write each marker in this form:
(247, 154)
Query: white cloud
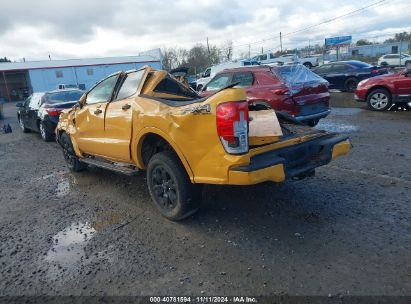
(93, 28)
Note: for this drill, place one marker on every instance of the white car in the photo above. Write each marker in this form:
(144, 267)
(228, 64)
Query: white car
(270, 58)
(310, 61)
(395, 60)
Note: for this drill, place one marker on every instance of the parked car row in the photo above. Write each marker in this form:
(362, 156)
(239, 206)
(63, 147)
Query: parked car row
(303, 93)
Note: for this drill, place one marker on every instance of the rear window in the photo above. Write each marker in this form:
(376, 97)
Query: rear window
(63, 96)
(296, 74)
(172, 86)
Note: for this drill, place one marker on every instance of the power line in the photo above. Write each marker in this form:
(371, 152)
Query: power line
(315, 25)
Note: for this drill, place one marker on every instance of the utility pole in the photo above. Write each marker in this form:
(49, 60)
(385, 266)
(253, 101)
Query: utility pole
(281, 43)
(262, 50)
(249, 51)
(208, 47)
(409, 46)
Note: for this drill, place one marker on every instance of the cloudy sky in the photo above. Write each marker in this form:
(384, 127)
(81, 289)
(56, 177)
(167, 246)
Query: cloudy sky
(96, 28)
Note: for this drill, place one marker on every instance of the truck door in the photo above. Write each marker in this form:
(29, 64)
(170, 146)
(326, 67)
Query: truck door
(89, 120)
(119, 118)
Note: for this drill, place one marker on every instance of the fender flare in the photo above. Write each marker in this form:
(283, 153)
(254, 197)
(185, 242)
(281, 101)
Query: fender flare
(139, 139)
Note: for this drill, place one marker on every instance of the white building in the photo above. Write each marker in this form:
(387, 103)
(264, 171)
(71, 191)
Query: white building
(18, 79)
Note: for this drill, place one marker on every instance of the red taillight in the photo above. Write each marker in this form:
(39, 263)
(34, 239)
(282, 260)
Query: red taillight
(232, 126)
(53, 111)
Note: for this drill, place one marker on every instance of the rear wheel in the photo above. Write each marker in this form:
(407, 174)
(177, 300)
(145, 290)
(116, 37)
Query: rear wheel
(199, 87)
(22, 126)
(351, 84)
(379, 100)
(72, 160)
(170, 187)
(45, 133)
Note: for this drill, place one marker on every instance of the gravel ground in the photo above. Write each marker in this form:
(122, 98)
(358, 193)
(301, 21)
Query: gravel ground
(346, 231)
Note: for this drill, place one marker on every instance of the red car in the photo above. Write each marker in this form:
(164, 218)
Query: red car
(290, 88)
(382, 92)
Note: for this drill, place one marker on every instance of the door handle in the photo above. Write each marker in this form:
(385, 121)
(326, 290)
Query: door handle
(126, 107)
(98, 111)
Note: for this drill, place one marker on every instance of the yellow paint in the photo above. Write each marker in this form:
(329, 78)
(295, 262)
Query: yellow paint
(117, 134)
(341, 148)
(274, 173)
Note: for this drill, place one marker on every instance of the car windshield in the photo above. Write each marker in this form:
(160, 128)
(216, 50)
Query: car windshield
(296, 74)
(63, 96)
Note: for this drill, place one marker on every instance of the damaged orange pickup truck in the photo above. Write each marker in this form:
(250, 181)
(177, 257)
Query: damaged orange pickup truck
(146, 120)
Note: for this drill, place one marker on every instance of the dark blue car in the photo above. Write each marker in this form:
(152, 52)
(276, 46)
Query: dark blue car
(345, 75)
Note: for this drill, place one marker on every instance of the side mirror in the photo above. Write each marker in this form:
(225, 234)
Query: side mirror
(19, 104)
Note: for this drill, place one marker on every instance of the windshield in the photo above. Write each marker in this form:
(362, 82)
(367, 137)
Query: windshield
(63, 96)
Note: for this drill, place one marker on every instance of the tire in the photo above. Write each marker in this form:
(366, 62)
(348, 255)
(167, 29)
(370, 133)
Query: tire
(45, 134)
(308, 65)
(199, 87)
(350, 84)
(22, 126)
(72, 160)
(379, 100)
(170, 187)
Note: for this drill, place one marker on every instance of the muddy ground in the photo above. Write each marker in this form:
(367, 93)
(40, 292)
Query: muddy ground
(347, 231)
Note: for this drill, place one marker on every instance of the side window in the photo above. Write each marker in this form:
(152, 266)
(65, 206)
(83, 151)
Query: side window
(323, 69)
(272, 56)
(263, 57)
(244, 79)
(130, 84)
(340, 68)
(207, 72)
(218, 82)
(103, 91)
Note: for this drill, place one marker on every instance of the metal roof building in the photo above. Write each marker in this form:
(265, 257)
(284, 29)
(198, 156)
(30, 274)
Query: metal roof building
(19, 79)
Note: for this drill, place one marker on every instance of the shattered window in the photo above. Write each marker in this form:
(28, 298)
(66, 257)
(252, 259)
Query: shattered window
(171, 86)
(130, 84)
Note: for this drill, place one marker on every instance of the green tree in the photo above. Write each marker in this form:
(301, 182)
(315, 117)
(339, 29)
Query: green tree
(363, 42)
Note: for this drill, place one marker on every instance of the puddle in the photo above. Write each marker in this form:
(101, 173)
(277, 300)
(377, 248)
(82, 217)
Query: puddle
(339, 127)
(345, 111)
(68, 244)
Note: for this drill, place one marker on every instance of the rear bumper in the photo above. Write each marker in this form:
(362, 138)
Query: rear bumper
(290, 162)
(313, 116)
(50, 124)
